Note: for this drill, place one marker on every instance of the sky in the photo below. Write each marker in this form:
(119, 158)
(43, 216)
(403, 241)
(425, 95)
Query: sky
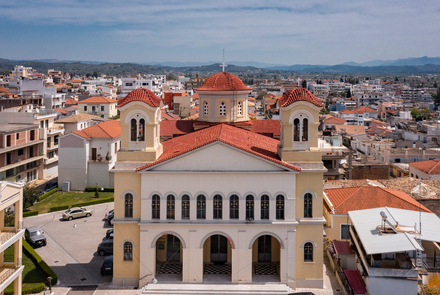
(276, 32)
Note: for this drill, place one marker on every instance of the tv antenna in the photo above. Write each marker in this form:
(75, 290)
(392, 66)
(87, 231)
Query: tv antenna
(223, 65)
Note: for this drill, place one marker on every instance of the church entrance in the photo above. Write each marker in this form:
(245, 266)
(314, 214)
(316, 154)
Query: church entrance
(169, 258)
(217, 259)
(266, 252)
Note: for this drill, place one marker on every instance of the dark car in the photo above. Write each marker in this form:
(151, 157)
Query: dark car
(35, 236)
(109, 234)
(105, 247)
(107, 266)
(109, 216)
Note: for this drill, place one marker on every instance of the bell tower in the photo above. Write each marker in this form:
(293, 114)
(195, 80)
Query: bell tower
(140, 123)
(299, 116)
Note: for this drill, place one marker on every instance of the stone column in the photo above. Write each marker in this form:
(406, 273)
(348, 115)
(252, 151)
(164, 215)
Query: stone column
(291, 259)
(193, 259)
(242, 260)
(147, 259)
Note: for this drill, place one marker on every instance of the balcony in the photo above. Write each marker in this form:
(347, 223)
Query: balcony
(10, 235)
(9, 272)
(55, 130)
(100, 159)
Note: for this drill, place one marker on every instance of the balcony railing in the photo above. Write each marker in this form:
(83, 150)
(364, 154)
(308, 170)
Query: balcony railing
(6, 273)
(6, 236)
(101, 159)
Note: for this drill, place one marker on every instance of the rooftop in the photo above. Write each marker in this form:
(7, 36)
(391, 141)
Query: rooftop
(299, 94)
(108, 129)
(98, 99)
(77, 118)
(223, 81)
(143, 95)
(431, 167)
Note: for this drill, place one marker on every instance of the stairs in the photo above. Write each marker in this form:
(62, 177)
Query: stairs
(205, 289)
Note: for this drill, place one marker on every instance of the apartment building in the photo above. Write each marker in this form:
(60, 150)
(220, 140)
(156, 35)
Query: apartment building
(151, 82)
(11, 202)
(98, 105)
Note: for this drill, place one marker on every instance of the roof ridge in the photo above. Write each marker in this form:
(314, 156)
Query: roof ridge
(436, 164)
(420, 205)
(351, 195)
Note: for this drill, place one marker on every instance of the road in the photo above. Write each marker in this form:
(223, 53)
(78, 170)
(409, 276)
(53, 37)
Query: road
(71, 245)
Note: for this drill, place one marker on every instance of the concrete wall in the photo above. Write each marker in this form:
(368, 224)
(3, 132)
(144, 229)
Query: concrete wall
(72, 161)
(386, 286)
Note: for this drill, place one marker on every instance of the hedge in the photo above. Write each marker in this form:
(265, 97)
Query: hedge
(30, 213)
(59, 208)
(105, 189)
(49, 193)
(34, 289)
(93, 202)
(40, 263)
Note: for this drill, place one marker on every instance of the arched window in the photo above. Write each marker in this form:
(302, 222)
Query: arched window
(218, 204)
(185, 207)
(249, 207)
(305, 130)
(308, 205)
(296, 129)
(141, 130)
(240, 108)
(133, 130)
(308, 252)
(280, 207)
(170, 207)
(222, 109)
(233, 207)
(264, 207)
(128, 251)
(205, 108)
(201, 207)
(128, 205)
(155, 207)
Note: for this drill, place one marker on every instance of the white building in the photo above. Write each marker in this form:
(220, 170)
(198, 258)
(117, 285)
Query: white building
(88, 155)
(151, 82)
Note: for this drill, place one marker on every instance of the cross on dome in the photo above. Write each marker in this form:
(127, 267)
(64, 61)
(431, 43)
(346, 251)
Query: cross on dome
(223, 65)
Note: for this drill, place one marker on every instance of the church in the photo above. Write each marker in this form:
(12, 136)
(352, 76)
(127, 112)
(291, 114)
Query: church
(221, 200)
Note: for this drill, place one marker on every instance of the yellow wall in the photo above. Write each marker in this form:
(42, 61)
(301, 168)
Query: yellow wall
(334, 232)
(121, 268)
(309, 182)
(309, 270)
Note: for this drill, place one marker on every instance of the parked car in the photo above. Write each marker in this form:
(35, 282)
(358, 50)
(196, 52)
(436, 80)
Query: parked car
(107, 266)
(108, 214)
(35, 236)
(105, 247)
(109, 234)
(110, 217)
(76, 213)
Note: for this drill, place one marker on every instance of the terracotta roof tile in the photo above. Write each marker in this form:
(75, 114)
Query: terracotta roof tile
(76, 118)
(429, 167)
(363, 110)
(2, 89)
(98, 99)
(169, 128)
(266, 127)
(367, 197)
(61, 111)
(334, 120)
(108, 129)
(168, 116)
(299, 94)
(76, 81)
(143, 95)
(70, 101)
(192, 117)
(256, 144)
(223, 81)
(350, 129)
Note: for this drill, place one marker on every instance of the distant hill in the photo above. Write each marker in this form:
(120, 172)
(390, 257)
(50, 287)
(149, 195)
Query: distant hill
(412, 61)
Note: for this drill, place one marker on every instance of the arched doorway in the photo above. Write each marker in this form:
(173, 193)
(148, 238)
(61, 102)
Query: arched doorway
(266, 253)
(217, 258)
(169, 257)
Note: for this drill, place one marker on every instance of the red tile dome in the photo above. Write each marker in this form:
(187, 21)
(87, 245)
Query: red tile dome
(141, 94)
(299, 94)
(223, 81)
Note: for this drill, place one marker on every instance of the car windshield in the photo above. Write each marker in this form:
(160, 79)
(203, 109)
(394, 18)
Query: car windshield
(36, 233)
(67, 211)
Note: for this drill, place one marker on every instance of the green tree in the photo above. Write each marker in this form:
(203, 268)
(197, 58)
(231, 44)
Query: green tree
(348, 93)
(30, 194)
(415, 113)
(95, 74)
(436, 98)
(304, 84)
(426, 113)
(396, 79)
(435, 84)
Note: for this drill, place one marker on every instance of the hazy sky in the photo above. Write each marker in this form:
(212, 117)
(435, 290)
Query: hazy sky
(284, 32)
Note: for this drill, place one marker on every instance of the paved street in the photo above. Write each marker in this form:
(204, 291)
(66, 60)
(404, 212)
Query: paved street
(71, 245)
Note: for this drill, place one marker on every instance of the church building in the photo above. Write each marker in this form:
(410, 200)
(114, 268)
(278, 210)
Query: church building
(221, 200)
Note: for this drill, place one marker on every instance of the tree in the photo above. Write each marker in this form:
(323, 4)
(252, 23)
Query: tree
(304, 84)
(348, 93)
(426, 113)
(30, 194)
(435, 84)
(95, 74)
(436, 98)
(415, 113)
(396, 79)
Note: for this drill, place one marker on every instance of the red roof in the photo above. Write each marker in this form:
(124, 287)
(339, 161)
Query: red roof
(98, 99)
(61, 111)
(299, 94)
(342, 247)
(363, 110)
(367, 197)
(2, 89)
(70, 101)
(76, 81)
(108, 129)
(168, 116)
(171, 128)
(429, 166)
(256, 144)
(223, 81)
(266, 127)
(141, 94)
(334, 120)
(356, 282)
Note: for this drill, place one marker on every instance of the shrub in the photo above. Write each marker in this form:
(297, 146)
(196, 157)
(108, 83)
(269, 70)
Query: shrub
(59, 208)
(93, 202)
(40, 263)
(35, 288)
(93, 189)
(49, 193)
(30, 213)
